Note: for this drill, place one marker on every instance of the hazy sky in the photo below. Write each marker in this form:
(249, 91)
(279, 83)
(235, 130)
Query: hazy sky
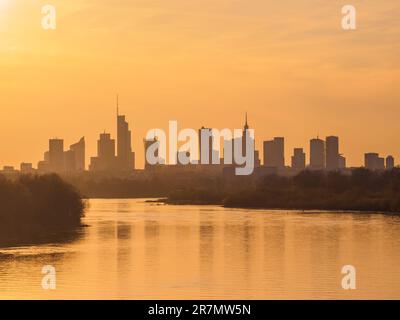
(201, 62)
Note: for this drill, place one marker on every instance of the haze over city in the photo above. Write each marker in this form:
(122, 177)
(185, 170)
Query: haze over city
(290, 65)
(115, 185)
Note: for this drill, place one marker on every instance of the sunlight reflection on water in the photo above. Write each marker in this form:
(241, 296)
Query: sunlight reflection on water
(136, 250)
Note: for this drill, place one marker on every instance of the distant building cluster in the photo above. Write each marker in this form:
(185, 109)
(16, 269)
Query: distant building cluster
(324, 155)
(116, 156)
(109, 161)
(373, 161)
(56, 159)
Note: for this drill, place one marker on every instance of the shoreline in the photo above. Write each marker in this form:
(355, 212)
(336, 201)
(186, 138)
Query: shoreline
(309, 211)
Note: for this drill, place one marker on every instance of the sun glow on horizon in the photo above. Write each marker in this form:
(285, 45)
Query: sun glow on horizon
(289, 64)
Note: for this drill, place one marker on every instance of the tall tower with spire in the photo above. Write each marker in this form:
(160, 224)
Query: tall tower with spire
(117, 104)
(246, 125)
(243, 138)
(245, 133)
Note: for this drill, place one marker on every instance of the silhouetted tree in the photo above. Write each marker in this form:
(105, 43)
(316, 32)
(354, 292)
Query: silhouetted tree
(38, 204)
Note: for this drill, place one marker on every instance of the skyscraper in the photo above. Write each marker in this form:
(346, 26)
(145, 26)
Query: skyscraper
(44, 165)
(206, 141)
(372, 161)
(280, 151)
(246, 133)
(125, 156)
(274, 152)
(106, 147)
(69, 161)
(332, 153)
(105, 160)
(79, 154)
(56, 155)
(317, 154)
(60, 161)
(256, 153)
(268, 153)
(298, 159)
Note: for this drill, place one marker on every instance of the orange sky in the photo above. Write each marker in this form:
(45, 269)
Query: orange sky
(201, 62)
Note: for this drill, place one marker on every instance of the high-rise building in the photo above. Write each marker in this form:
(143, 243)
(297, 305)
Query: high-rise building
(26, 168)
(372, 161)
(268, 153)
(332, 153)
(245, 134)
(206, 141)
(56, 160)
(125, 156)
(43, 167)
(105, 160)
(106, 148)
(56, 155)
(9, 170)
(317, 154)
(69, 161)
(79, 154)
(389, 162)
(274, 152)
(298, 159)
(280, 151)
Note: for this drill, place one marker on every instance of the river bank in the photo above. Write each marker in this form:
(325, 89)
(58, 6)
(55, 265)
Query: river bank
(36, 207)
(363, 190)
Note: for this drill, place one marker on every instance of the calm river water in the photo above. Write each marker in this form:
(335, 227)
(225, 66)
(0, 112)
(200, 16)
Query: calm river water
(131, 249)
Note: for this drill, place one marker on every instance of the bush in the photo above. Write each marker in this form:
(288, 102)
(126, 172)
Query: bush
(38, 204)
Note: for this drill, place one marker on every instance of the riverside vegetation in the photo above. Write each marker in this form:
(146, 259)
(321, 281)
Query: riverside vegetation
(35, 206)
(362, 190)
(355, 190)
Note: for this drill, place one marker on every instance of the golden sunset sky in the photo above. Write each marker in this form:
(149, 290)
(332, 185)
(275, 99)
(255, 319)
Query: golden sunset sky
(201, 62)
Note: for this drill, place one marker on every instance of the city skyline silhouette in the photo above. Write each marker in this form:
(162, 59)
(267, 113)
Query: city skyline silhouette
(290, 65)
(117, 155)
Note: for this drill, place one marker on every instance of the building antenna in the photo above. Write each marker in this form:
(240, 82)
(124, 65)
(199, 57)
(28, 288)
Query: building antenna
(246, 126)
(117, 104)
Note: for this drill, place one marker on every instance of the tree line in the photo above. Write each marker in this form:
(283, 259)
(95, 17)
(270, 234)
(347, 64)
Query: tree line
(37, 205)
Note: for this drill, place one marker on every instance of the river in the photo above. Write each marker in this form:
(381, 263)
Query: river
(132, 249)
